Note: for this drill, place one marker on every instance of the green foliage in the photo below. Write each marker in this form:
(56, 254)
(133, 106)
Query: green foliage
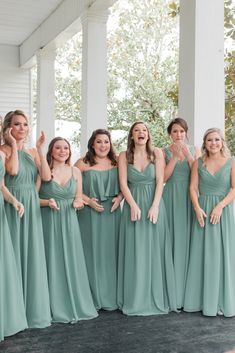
(229, 24)
(143, 68)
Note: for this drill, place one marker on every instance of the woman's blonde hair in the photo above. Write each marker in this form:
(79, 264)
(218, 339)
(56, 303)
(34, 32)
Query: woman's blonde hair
(131, 144)
(224, 150)
(7, 122)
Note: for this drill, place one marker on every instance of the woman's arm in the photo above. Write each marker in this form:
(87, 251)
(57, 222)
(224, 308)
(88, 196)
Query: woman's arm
(217, 210)
(8, 197)
(11, 152)
(78, 199)
(200, 214)
(159, 166)
(122, 169)
(40, 159)
(170, 166)
(49, 203)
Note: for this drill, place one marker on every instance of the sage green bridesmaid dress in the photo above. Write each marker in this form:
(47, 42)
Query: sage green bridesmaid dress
(70, 294)
(179, 213)
(210, 285)
(28, 244)
(146, 281)
(12, 310)
(100, 233)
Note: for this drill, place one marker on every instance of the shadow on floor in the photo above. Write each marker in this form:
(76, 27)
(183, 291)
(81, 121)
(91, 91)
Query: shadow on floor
(113, 332)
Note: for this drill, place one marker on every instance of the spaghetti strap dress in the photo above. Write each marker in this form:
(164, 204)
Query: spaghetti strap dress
(210, 285)
(12, 311)
(146, 281)
(179, 213)
(28, 244)
(100, 232)
(70, 294)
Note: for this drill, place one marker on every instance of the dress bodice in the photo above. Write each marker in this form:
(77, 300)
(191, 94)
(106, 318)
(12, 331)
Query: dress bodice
(27, 174)
(145, 178)
(218, 183)
(100, 184)
(51, 189)
(181, 171)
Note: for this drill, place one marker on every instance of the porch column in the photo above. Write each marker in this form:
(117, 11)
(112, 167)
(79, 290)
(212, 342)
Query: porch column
(94, 74)
(201, 68)
(46, 93)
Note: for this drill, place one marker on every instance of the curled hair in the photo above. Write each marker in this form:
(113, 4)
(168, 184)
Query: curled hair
(50, 148)
(224, 150)
(90, 155)
(7, 122)
(131, 144)
(179, 121)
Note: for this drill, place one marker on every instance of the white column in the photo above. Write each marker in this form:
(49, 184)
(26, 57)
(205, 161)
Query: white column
(94, 74)
(201, 69)
(46, 93)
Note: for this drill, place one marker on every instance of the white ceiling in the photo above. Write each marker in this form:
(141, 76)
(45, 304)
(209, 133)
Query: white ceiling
(20, 18)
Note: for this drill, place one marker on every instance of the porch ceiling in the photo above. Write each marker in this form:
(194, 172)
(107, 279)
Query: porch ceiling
(19, 19)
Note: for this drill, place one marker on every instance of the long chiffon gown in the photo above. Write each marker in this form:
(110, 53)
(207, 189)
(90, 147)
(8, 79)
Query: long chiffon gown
(179, 213)
(100, 232)
(12, 311)
(210, 285)
(146, 281)
(70, 294)
(28, 244)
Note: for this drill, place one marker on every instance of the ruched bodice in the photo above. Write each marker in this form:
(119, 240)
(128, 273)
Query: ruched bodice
(217, 184)
(52, 189)
(27, 174)
(137, 178)
(100, 184)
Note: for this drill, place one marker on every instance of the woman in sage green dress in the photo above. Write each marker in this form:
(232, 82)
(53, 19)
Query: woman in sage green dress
(210, 285)
(12, 312)
(70, 294)
(22, 168)
(146, 281)
(179, 158)
(100, 218)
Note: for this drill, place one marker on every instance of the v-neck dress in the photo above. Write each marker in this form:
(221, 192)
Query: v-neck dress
(179, 213)
(70, 294)
(28, 243)
(146, 281)
(100, 232)
(210, 285)
(12, 311)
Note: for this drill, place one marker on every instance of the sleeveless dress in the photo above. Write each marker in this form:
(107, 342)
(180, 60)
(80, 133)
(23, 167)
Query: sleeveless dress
(12, 311)
(210, 285)
(179, 213)
(28, 244)
(146, 281)
(100, 233)
(70, 294)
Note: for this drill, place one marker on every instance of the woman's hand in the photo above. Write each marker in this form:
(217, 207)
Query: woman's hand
(135, 213)
(8, 136)
(153, 214)
(53, 205)
(116, 203)
(176, 150)
(216, 214)
(40, 141)
(18, 206)
(93, 203)
(78, 203)
(200, 214)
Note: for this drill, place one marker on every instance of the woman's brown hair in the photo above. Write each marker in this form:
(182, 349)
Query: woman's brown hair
(179, 121)
(90, 155)
(7, 122)
(50, 148)
(131, 145)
